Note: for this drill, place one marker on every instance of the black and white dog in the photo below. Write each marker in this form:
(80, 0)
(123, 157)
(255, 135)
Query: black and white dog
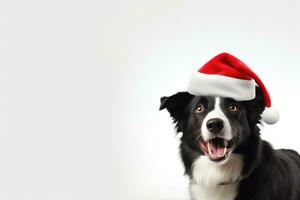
(223, 154)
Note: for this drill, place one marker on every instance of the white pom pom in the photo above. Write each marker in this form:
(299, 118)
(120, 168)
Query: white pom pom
(270, 115)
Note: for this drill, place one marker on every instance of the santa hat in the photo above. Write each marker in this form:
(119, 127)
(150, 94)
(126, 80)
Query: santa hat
(227, 76)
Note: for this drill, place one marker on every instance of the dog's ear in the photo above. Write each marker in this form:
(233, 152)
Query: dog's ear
(176, 105)
(255, 107)
(259, 101)
(163, 103)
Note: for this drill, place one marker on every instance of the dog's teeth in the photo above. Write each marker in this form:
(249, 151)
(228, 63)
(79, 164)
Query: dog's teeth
(226, 143)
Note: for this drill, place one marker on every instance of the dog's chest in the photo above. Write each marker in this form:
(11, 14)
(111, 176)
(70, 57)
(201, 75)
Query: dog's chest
(214, 181)
(226, 192)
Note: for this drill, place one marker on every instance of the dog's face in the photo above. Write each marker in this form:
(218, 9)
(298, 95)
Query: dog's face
(213, 126)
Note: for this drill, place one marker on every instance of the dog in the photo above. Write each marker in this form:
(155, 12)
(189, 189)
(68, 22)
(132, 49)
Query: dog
(223, 153)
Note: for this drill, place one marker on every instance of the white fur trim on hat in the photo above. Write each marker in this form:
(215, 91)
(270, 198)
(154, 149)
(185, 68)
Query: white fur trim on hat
(223, 86)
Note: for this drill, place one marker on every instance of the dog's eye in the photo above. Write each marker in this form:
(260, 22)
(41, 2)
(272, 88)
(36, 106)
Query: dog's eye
(199, 109)
(233, 108)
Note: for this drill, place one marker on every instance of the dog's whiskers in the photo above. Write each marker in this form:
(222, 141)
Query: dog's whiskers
(198, 135)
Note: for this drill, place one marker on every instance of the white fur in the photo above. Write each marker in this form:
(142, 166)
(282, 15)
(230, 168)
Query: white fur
(216, 113)
(223, 86)
(208, 175)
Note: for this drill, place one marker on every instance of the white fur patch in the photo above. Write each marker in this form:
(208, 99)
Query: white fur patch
(222, 192)
(216, 113)
(208, 175)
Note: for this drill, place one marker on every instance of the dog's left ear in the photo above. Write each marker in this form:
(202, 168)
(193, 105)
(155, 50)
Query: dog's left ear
(176, 104)
(255, 107)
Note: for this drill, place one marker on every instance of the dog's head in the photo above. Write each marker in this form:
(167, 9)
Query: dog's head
(214, 126)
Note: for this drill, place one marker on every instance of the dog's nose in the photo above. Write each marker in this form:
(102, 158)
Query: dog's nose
(215, 125)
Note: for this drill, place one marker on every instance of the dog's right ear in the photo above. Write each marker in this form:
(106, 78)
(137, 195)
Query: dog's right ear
(176, 104)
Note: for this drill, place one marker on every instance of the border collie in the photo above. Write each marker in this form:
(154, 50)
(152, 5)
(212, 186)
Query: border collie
(223, 153)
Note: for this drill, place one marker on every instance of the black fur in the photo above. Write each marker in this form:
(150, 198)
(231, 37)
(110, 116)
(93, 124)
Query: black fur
(268, 174)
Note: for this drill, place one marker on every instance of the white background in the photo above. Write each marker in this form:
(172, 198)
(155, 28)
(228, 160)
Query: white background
(80, 83)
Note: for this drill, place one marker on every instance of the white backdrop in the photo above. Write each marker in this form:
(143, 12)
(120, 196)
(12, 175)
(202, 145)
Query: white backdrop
(80, 83)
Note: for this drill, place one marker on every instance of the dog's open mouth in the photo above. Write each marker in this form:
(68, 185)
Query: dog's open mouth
(217, 149)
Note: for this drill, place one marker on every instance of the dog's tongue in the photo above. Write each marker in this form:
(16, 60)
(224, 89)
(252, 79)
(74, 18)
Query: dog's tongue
(216, 149)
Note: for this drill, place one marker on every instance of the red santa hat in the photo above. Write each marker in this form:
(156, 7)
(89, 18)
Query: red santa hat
(227, 76)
